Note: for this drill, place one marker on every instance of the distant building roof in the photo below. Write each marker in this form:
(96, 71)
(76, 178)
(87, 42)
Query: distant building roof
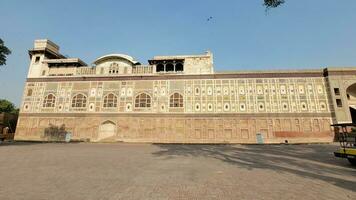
(118, 56)
(66, 61)
(207, 54)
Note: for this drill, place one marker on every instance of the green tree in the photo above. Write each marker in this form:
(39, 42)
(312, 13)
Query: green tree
(273, 3)
(7, 107)
(4, 51)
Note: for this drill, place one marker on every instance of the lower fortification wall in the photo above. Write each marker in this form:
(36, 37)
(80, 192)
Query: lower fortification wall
(171, 128)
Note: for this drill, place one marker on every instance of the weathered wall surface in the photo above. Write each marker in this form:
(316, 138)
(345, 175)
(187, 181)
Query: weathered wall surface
(183, 128)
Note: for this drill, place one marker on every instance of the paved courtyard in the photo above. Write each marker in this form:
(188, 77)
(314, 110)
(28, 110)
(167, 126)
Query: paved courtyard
(144, 171)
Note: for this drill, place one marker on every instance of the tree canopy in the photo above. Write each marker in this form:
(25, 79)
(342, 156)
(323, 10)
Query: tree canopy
(7, 107)
(273, 3)
(4, 52)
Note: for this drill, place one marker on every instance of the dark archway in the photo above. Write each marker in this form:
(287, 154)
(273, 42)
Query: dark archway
(351, 98)
(160, 68)
(179, 67)
(169, 67)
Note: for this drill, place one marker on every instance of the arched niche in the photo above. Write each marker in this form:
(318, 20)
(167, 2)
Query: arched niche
(107, 129)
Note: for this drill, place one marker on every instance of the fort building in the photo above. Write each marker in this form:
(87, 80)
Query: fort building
(180, 99)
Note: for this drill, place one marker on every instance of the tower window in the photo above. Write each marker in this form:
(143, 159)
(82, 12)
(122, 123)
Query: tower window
(338, 102)
(37, 59)
(337, 91)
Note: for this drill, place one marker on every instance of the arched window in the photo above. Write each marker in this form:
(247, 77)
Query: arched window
(143, 100)
(179, 67)
(110, 101)
(160, 68)
(169, 67)
(79, 101)
(114, 68)
(49, 101)
(176, 100)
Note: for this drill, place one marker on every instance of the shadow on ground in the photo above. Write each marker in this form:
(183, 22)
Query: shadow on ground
(26, 143)
(13, 143)
(309, 161)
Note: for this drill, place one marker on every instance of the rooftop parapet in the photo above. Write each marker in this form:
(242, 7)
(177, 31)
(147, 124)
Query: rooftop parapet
(46, 46)
(65, 62)
(179, 57)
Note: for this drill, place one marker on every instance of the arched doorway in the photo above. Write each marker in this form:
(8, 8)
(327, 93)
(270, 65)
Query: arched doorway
(351, 98)
(107, 129)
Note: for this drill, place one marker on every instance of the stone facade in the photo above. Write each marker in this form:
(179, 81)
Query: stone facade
(180, 99)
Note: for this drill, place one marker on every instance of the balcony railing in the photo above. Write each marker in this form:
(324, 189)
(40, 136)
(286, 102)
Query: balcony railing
(142, 69)
(86, 71)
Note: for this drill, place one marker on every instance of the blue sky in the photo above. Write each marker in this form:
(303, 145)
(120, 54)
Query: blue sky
(299, 35)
